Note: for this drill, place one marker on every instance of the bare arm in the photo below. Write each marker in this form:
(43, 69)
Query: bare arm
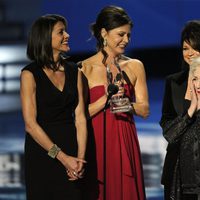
(28, 100)
(29, 110)
(141, 104)
(81, 120)
(97, 106)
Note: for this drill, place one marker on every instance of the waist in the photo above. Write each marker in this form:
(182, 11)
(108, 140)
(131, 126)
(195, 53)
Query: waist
(55, 122)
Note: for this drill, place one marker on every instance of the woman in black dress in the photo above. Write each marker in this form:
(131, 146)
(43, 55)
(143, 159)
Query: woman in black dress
(53, 111)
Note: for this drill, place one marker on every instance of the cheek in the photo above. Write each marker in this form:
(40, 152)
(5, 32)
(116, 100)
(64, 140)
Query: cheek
(117, 40)
(53, 42)
(56, 43)
(184, 54)
(196, 85)
(185, 57)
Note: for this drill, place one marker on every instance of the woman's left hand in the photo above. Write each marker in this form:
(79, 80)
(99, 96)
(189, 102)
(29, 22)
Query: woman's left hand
(79, 173)
(80, 169)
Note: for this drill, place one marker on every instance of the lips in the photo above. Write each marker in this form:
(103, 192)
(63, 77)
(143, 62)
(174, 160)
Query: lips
(65, 43)
(122, 46)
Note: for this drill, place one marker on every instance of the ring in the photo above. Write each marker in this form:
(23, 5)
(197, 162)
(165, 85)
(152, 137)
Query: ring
(74, 173)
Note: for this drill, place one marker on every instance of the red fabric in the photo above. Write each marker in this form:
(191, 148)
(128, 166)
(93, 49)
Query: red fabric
(124, 176)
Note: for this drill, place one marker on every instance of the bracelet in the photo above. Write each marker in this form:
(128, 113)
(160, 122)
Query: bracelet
(53, 152)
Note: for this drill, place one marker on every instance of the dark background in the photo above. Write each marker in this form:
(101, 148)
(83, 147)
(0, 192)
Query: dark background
(155, 36)
(155, 40)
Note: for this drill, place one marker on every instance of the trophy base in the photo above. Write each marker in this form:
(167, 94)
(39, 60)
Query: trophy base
(118, 105)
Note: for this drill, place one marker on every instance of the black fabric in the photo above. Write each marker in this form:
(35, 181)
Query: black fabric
(46, 178)
(171, 119)
(174, 123)
(190, 158)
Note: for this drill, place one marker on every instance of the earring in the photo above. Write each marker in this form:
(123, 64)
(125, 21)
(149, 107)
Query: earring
(104, 42)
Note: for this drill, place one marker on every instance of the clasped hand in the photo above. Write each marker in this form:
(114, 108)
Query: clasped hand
(195, 100)
(75, 168)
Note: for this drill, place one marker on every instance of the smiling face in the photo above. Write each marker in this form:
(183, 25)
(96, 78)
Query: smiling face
(189, 53)
(59, 39)
(196, 79)
(117, 39)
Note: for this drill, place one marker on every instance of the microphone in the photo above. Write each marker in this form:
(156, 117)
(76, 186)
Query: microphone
(112, 89)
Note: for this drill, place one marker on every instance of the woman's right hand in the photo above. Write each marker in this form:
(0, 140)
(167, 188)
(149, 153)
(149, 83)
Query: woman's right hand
(194, 101)
(71, 164)
(198, 100)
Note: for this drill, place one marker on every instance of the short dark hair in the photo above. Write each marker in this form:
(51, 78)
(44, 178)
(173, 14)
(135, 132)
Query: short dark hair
(110, 17)
(191, 34)
(39, 47)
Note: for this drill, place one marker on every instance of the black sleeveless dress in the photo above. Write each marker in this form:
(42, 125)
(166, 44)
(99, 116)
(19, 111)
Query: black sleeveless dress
(46, 178)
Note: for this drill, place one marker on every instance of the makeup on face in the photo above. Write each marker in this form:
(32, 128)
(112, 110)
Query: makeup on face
(196, 79)
(189, 53)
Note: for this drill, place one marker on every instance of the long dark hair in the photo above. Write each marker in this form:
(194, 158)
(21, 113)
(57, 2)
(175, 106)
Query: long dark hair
(109, 17)
(39, 47)
(191, 35)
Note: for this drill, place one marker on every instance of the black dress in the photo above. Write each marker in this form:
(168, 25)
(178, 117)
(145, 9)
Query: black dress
(46, 178)
(190, 158)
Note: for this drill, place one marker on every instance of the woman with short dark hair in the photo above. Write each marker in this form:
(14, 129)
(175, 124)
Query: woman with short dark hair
(53, 111)
(178, 111)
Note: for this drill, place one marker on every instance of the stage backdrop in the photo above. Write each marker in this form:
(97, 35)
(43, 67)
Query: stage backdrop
(157, 23)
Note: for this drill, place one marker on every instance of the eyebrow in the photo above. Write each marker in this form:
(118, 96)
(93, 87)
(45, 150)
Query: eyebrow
(124, 32)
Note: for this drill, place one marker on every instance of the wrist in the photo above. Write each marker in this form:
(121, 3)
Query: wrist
(191, 112)
(53, 151)
(81, 156)
(61, 156)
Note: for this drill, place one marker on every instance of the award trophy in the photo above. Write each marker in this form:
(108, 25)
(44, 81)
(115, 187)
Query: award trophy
(118, 102)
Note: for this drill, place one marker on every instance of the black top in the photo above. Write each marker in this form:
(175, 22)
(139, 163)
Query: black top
(190, 156)
(46, 177)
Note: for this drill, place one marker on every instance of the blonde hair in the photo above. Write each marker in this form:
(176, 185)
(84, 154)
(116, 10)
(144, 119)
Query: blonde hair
(194, 65)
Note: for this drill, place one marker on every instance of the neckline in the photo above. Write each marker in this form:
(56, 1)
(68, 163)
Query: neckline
(101, 85)
(53, 83)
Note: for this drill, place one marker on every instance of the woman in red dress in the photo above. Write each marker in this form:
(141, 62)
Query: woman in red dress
(123, 176)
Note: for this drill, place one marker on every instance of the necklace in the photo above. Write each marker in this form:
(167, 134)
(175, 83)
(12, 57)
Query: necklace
(61, 70)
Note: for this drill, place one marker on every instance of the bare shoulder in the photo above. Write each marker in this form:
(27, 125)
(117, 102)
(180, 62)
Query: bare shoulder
(26, 74)
(133, 65)
(27, 79)
(87, 64)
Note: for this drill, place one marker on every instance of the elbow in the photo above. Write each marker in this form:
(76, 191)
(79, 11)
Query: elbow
(170, 140)
(145, 115)
(146, 112)
(29, 127)
(80, 123)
